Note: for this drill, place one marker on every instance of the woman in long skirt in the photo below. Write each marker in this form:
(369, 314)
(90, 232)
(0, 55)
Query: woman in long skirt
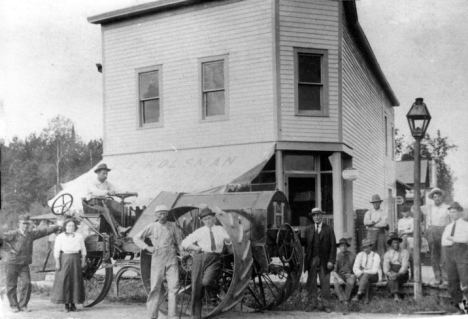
(70, 258)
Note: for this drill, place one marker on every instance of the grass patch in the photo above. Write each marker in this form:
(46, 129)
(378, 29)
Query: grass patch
(381, 302)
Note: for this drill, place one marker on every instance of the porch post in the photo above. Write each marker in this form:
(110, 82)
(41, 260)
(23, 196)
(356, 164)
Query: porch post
(338, 216)
(279, 170)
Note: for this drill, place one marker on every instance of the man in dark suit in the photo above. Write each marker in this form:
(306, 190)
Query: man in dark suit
(320, 258)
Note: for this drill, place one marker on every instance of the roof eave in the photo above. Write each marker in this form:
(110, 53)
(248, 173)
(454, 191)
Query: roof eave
(355, 27)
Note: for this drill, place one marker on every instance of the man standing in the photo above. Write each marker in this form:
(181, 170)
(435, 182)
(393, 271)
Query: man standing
(320, 258)
(165, 238)
(436, 218)
(206, 267)
(100, 188)
(405, 232)
(366, 268)
(343, 273)
(19, 258)
(395, 267)
(376, 222)
(455, 242)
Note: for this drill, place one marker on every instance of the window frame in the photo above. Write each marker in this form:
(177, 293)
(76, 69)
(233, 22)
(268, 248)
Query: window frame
(324, 112)
(386, 133)
(214, 118)
(139, 112)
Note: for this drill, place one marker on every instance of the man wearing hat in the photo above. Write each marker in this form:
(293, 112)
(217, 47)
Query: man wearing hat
(320, 258)
(99, 188)
(207, 242)
(405, 232)
(18, 259)
(395, 266)
(343, 273)
(366, 268)
(455, 243)
(376, 222)
(165, 239)
(436, 218)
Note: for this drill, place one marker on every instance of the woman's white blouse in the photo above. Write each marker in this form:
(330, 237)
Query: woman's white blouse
(74, 242)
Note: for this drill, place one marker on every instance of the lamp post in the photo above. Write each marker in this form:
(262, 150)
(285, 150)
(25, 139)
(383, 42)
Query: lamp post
(418, 120)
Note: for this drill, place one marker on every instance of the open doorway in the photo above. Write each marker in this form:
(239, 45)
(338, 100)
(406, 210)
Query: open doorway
(302, 196)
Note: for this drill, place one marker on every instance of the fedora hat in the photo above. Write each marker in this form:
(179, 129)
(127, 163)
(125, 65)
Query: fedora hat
(161, 208)
(436, 190)
(406, 208)
(315, 211)
(102, 167)
(457, 206)
(205, 211)
(393, 237)
(343, 241)
(376, 199)
(366, 242)
(24, 218)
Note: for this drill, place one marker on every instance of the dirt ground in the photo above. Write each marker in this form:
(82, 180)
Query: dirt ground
(41, 308)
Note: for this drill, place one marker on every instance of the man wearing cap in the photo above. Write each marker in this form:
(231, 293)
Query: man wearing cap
(343, 273)
(405, 232)
(366, 268)
(395, 266)
(165, 239)
(100, 188)
(376, 222)
(320, 258)
(455, 243)
(207, 242)
(436, 218)
(18, 259)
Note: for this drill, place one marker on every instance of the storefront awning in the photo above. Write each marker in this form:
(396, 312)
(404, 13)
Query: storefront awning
(193, 170)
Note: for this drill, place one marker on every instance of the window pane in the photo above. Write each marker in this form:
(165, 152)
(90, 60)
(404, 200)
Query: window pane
(213, 75)
(150, 111)
(214, 103)
(149, 85)
(310, 68)
(293, 162)
(310, 97)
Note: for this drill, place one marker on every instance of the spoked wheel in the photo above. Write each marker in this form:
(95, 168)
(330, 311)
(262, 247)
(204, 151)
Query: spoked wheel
(273, 286)
(62, 204)
(97, 280)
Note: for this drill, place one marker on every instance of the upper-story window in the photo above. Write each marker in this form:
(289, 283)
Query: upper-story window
(214, 88)
(149, 96)
(311, 82)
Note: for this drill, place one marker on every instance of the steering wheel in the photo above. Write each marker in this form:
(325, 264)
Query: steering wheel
(62, 204)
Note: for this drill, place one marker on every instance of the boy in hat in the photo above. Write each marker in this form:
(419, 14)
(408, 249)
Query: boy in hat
(455, 242)
(376, 222)
(320, 258)
(18, 259)
(395, 266)
(436, 219)
(165, 239)
(210, 240)
(366, 268)
(99, 188)
(343, 273)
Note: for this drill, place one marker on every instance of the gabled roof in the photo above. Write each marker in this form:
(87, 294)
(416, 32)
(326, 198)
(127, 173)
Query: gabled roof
(405, 171)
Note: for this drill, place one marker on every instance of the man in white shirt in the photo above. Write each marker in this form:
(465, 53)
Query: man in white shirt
(377, 225)
(395, 266)
(405, 232)
(165, 239)
(436, 218)
(455, 243)
(366, 268)
(102, 188)
(210, 240)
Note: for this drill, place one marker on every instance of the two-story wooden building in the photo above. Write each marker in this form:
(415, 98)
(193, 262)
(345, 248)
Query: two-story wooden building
(239, 95)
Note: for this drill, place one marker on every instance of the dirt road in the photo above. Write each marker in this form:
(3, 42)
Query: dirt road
(41, 308)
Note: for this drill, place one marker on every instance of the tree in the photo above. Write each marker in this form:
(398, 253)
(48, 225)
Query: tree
(432, 148)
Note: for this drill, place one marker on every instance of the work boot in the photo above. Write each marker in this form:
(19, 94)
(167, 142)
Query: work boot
(346, 308)
(25, 309)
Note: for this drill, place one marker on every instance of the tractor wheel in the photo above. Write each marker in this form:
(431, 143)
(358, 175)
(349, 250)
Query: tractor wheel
(97, 280)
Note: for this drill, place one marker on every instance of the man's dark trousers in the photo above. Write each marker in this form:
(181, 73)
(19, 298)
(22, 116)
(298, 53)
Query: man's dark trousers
(457, 271)
(324, 276)
(205, 271)
(13, 272)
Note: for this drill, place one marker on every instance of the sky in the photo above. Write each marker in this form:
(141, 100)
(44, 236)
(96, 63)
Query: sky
(48, 56)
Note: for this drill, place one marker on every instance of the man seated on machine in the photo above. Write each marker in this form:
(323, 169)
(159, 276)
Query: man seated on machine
(102, 188)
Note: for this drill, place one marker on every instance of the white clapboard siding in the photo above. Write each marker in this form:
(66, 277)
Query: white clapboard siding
(364, 106)
(310, 24)
(242, 30)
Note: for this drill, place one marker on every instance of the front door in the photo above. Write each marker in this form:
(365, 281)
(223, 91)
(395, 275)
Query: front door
(302, 196)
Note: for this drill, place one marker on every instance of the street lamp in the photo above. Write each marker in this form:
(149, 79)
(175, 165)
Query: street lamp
(418, 120)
